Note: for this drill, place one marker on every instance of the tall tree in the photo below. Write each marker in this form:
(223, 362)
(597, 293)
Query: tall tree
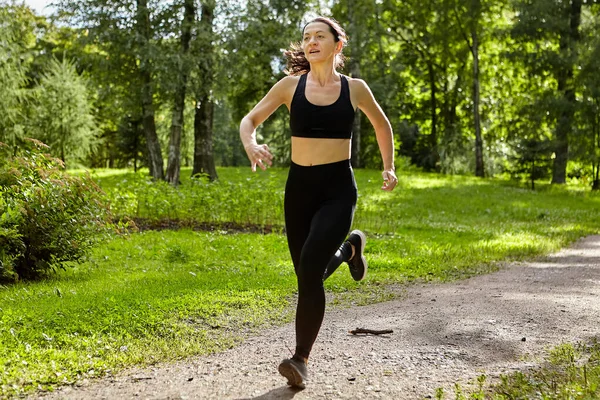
(13, 75)
(569, 36)
(586, 143)
(143, 35)
(126, 42)
(183, 65)
(63, 116)
(354, 32)
(427, 37)
(204, 162)
(549, 33)
(472, 39)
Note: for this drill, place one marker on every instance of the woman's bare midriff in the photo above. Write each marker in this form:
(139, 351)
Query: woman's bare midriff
(317, 151)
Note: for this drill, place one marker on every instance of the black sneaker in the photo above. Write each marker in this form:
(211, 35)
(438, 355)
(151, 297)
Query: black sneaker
(358, 263)
(295, 371)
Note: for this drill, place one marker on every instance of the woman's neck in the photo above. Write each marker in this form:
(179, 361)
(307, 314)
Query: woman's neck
(323, 74)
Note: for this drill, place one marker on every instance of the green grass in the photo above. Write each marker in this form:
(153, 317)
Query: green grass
(139, 299)
(569, 371)
(158, 296)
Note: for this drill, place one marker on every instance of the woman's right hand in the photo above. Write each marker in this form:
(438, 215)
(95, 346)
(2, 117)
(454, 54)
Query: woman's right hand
(259, 154)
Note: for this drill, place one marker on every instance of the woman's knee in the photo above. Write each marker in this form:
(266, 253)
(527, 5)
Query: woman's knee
(310, 273)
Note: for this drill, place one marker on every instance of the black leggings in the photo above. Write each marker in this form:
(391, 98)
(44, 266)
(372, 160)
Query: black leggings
(319, 207)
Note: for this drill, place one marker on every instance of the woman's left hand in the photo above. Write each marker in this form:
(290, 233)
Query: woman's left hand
(389, 180)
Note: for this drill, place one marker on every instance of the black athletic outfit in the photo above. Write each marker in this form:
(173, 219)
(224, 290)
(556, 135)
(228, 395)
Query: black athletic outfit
(319, 207)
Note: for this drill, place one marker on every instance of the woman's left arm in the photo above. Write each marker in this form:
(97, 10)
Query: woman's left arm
(366, 102)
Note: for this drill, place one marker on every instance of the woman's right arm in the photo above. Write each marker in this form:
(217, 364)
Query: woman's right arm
(280, 93)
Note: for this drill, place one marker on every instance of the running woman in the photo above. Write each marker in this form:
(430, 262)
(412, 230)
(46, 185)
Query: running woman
(320, 193)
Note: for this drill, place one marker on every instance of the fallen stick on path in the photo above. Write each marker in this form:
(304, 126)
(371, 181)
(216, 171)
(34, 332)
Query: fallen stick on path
(365, 331)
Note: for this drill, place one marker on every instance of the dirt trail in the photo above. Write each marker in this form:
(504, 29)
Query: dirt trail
(443, 333)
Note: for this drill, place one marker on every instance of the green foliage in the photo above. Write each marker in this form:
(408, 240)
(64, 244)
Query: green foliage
(63, 116)
(238, 197)
(47, 217)
(415, 56)
(532, 160)
(12, 81)
(242, 197)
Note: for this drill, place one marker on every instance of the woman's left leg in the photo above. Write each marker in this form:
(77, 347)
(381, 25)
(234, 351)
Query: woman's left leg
(343, 254)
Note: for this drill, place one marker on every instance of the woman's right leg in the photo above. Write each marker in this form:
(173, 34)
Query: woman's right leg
(298, 211)
(329, 228)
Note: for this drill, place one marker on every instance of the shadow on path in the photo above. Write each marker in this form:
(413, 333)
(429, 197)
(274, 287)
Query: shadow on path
(280, 393)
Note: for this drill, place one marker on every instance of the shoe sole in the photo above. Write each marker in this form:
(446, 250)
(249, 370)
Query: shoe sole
(293, 376)
(363, 242)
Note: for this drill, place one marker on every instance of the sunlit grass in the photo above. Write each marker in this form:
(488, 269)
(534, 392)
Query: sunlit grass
(140, 299)
(158, 296)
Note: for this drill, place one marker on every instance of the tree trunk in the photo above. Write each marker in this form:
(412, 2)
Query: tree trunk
(174, 164)
(355, 73)
(533, 175)
(204, 161)
(451, 100)
(479, 167)
(565, 86)
(135, 151)
(155, 161)
(596, 148)
(433, 148)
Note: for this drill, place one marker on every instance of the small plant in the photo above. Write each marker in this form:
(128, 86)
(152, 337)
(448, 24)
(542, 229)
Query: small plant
(533, 159)
(47, 217)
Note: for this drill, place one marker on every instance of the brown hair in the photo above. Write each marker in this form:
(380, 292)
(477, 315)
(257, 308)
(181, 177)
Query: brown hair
(297, 64)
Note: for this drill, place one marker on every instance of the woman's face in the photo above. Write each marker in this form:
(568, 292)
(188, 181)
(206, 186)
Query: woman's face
(319, 43)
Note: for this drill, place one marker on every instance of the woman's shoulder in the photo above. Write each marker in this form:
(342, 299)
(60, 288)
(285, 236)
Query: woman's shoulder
(358, 89)
(356, 83)
(289, 80)
(286, 83)
(284, 89)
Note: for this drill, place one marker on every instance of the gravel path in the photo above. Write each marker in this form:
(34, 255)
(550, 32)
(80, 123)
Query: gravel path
(442, 334)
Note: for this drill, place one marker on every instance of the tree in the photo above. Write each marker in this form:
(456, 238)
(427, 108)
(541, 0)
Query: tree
(472, 39)
(586, 146)
(143, 32)
(355, 22)
(13, 80)
(429, 39)
(124, 33)
(183, 71)
(532, 159)
(204, 162)
(549, 30)
(63, 117)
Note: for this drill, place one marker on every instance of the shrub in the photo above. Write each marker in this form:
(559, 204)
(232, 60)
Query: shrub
(47, 217)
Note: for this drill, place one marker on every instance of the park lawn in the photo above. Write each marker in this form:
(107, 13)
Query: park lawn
(163, 295)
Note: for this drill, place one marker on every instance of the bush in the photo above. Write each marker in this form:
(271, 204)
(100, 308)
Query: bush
(47, 217)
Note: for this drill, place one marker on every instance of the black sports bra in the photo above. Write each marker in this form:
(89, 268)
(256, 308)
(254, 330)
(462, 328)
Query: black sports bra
(333, 121)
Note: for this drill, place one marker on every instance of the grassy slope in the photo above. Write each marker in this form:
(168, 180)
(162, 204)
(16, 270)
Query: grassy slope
(158, 296)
